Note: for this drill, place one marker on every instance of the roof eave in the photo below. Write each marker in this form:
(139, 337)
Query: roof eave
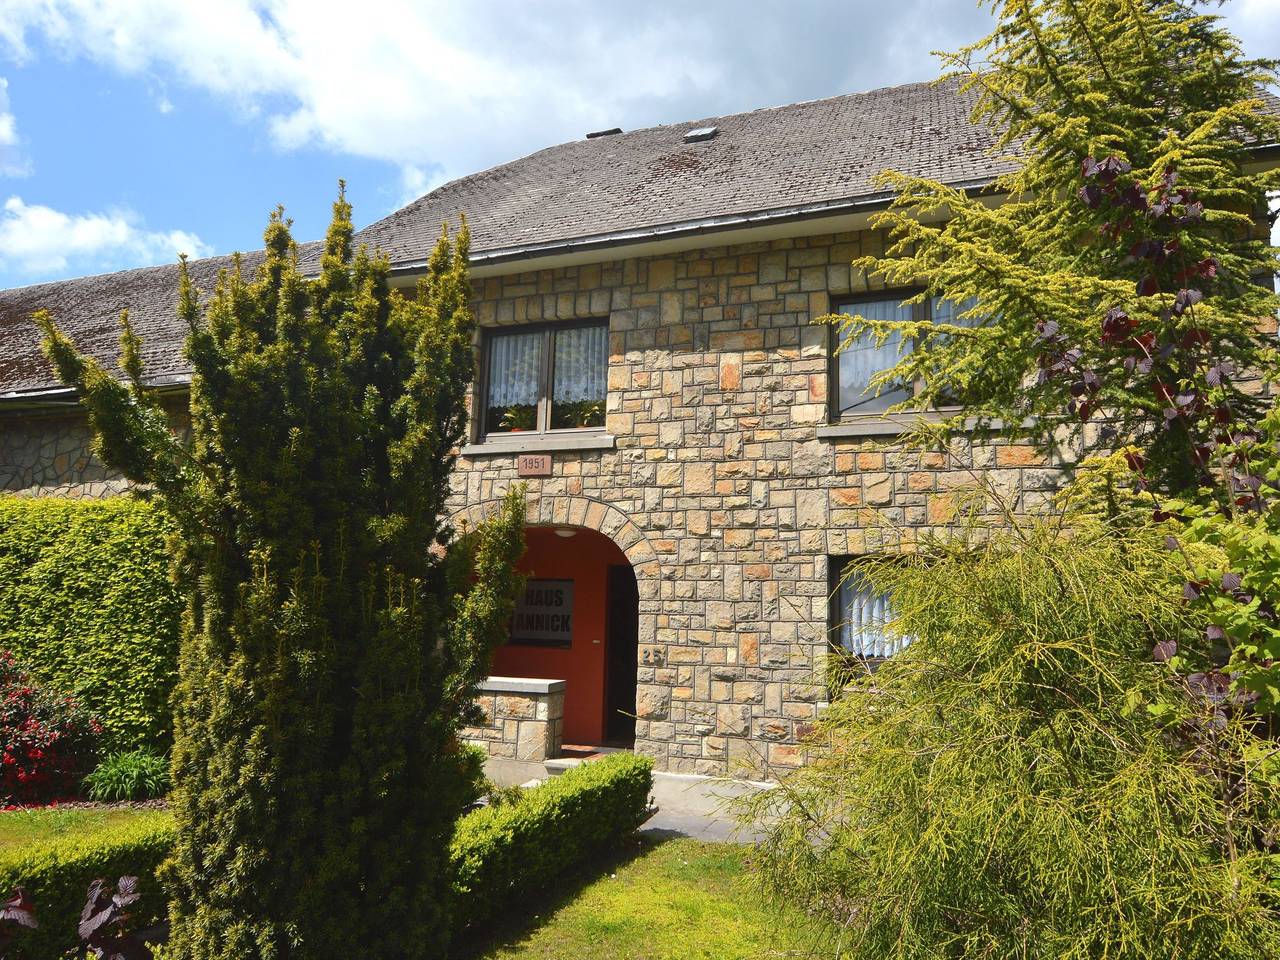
(685, 228)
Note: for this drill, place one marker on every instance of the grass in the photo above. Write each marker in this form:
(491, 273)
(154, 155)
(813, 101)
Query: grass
(19, 828)
(674, 899)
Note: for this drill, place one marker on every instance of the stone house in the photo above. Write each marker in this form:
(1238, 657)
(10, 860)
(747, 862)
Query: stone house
(699, 461)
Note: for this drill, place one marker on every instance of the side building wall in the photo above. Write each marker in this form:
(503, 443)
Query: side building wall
(724, 486)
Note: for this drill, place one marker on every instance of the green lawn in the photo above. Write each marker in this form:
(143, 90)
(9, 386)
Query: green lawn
(676, 899)
(673, 900)
(21, 827)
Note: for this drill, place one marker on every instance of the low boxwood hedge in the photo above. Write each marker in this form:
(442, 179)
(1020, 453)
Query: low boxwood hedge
(501, 854)
(57, 873)
(504, 853)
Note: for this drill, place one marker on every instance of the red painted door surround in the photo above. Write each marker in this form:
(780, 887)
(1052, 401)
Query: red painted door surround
(583, 558)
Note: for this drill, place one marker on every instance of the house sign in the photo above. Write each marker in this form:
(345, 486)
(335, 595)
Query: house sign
(544, 614)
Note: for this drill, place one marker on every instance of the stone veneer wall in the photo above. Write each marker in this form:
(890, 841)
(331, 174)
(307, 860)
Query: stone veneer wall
(524, 719)
(48, 455)
(719, 489)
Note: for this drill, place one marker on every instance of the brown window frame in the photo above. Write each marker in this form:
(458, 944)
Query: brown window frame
(546, 377)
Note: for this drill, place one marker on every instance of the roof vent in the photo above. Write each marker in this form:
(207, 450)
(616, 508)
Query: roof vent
(702, 133)
(604, 133)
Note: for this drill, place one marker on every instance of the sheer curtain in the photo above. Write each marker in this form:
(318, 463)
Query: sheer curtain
(582, 359)
(515, 369)
(861, 359)
(863, 615)
(579, 378)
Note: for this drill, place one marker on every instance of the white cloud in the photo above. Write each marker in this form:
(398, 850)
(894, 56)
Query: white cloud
(12, 163)
(442, 89)
(36, 239)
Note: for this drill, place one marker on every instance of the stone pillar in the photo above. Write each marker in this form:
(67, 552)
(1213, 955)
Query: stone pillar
(524, 719)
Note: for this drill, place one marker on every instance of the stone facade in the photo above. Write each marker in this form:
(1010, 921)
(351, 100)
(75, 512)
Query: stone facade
(724, 485)
(524, 719)
(48, 455)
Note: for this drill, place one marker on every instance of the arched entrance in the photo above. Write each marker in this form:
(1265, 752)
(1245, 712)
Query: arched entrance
(591, 574)
(577, 622)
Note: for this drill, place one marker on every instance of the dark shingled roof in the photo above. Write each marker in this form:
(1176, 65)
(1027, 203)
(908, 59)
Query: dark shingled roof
(805, 158)
(88, 310)
(805, 154)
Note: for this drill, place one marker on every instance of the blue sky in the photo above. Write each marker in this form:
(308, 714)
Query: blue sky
(131, 129)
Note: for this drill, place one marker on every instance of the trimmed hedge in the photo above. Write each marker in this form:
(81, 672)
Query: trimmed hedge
(87, 602)
(503, 854)
(500, 854)
(57, 874)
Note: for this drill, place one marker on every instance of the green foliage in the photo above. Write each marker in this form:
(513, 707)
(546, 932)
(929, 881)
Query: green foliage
(676, 900)
(1023, 781)
(1151, 88)
(335, 632)
(499, 855)
(136, 775)
(1233, 568)
(87, 601)
(56, 873)
(503, 854)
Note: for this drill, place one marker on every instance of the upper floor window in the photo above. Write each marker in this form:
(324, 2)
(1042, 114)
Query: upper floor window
(859, 614)
(857, 362)
(544, 378)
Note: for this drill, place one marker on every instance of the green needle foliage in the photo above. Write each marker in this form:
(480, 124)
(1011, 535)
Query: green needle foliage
(1074, 310)
(331, 643)
(1023, 781)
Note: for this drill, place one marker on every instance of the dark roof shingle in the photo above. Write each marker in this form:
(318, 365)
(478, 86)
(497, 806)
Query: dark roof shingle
(821, 151)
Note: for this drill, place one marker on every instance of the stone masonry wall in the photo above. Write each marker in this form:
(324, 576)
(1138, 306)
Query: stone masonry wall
(523, 720)
(43, 455)
(719, 488)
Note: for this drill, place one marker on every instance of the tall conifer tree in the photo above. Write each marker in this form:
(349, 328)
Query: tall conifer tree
(1113, 288)
(331, 644)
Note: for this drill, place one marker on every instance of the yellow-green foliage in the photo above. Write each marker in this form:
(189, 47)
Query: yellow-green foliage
(334, 633)
(1160, 85)
(86, 600)
(57, 873)
(504, 854)
(1024, 781)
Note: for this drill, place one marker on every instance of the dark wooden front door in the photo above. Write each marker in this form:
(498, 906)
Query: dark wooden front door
(623, 617)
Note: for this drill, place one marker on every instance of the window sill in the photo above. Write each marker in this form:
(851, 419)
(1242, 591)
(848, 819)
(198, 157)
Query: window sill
(540, 443)
(892, 425)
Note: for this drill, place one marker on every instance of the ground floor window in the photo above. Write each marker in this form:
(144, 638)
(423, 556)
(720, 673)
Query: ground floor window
(859, 613)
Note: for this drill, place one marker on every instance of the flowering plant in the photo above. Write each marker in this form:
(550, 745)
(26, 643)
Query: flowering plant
(47, 740)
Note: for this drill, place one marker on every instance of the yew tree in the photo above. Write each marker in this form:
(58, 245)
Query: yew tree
(335, 627)
(1110, 282)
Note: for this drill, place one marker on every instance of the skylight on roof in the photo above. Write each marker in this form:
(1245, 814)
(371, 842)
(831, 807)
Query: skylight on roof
(701, 133)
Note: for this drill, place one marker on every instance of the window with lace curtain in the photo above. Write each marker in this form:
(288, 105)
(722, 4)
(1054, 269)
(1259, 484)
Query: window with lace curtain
(539, 379)
(855, 363)
(859, 614)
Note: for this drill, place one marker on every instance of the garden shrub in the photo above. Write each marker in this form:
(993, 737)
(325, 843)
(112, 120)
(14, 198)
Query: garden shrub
(47, 741)
(57, 873)
(502, 854)
(136, 775)
(1025, 780)
(86, 600)
(335, 629)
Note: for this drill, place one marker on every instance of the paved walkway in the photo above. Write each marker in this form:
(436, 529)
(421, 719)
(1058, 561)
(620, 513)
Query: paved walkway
(690, 806)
